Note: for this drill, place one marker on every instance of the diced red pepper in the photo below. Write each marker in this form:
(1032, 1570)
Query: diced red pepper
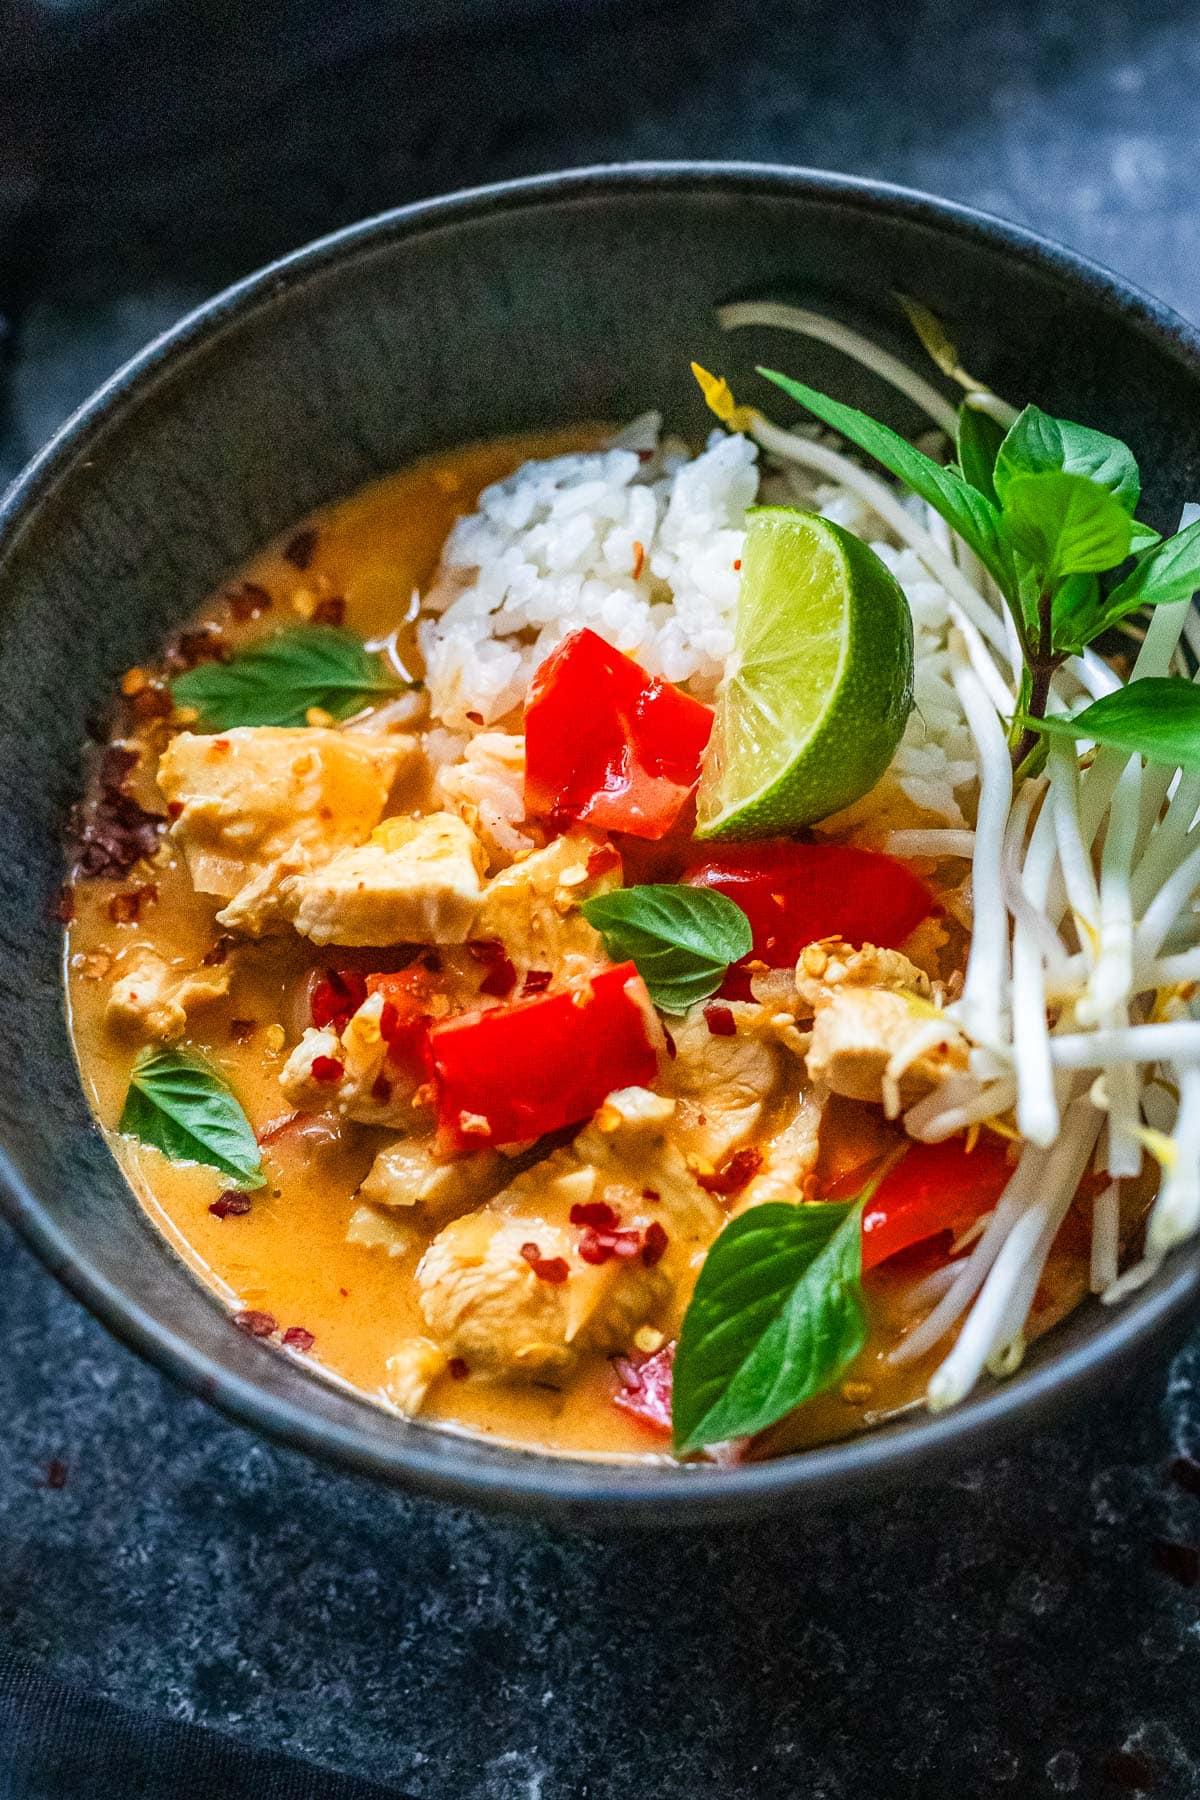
(794, 894)
(645, 1389)
(335, 996)
(607, 743)
(515, 1072)
(933, 1189)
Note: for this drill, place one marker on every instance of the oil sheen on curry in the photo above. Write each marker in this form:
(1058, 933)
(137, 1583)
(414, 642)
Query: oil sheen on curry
(513, 953)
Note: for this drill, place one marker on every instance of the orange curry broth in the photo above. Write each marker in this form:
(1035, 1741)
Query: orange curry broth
(288, 1255)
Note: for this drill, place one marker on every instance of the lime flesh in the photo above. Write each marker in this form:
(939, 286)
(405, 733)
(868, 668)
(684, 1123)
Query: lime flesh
(821, 684)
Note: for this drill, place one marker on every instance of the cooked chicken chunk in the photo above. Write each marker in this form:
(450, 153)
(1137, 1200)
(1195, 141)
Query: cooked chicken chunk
(486, 786)
(533, 908)
(412, 1370)
(789, 1157)
(417, 881)
(351, 1075)
(720, 1083)
(833, 963)
(880, 1045)
(254, 794)
(481, 1293)
(407, 1174)
(377, 1228)
(151, 999)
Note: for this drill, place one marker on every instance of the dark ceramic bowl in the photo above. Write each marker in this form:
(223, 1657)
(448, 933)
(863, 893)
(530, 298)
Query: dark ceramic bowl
(528, 305)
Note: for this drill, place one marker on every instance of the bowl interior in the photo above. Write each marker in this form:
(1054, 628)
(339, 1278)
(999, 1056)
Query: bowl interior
(530, 306)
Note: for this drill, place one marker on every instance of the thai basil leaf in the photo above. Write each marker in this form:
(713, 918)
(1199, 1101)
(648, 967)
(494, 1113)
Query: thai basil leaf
(681, 938)
(979, 438)
(178, 1104)
(1077, 614)
(1170, 572)
(1039, 444)
(1065, 524)
(776, 1316)
(968, 512)
(277, 679)
(1159, 717)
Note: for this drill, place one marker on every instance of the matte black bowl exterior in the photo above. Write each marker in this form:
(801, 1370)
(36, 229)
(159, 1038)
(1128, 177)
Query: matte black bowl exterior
(527, 305)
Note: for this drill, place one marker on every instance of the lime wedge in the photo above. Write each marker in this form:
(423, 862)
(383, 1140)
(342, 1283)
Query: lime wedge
(821, 684)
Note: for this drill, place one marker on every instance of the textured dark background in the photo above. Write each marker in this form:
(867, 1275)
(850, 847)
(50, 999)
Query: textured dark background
(1013, 1631)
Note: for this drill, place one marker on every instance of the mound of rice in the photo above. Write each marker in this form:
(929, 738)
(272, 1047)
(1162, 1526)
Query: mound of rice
(643, 546)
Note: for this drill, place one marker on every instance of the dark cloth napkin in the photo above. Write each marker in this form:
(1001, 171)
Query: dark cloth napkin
(57, 1744)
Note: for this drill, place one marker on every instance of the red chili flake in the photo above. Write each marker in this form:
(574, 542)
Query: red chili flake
(56, 1473)
(1185, 1473)
(654, 1244)
(1180, 1561)
(242, 1030)
(639, 558)
(205, 644)
(734, 1173)
(595, 1212)
(594, 1248)
(154, 702)
(553, 1269)
(720, 1021)
(597, 1247)
(64, 906)
(603, 858)
(327, 1069)
(112, 832)
(737, 563)
(458, 1369)
(232, 1204)
(331, 611)
(500, 978)
(476, 718)
(249, 601)
(255, 1324)
(218, 953)
(1130, 1769)
(651, 1194)
(296, 1337)
(338, 994)
(174, 810)
(300, 546)
(381, 1089)
(625, 1244)
(536, 982)
(645, 456)
(125, 909)
(344, 1292)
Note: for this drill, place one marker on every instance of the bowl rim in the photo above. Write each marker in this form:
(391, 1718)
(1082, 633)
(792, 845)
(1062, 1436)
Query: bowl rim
(531, 1480)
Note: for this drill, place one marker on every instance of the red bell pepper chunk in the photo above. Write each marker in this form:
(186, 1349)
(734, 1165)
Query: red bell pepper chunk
(515, 1072)
(609, 744)
(934, 1188)
(794, 894)
(645, 1389)
(404, 1022)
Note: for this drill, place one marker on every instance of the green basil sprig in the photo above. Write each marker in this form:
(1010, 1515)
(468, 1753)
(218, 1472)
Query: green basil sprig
(276, 680)
(177, 1103)
(1159, 717)
(1049, 511)
(681, 938)
(776, 1316)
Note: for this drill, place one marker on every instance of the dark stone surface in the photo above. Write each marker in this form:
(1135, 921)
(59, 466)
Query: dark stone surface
(1011, 1631)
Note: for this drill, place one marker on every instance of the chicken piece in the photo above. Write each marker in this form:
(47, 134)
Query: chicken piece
(832, 964)
(417, 881)
(259, 792)
(483, 1298)
(878, 1044)
(721, 1083)
(789, 1157)
(412, 1370)
(533, 908)
(152, 998)
(375, 1228)
(347, 1074)
(408, 1174)
(486, 787)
